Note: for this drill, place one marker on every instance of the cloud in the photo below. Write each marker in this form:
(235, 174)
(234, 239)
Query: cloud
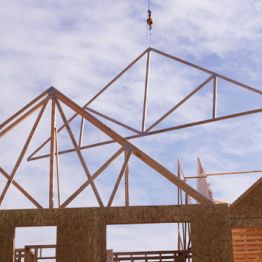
(140, 237)
(220, 27)
(80, 46)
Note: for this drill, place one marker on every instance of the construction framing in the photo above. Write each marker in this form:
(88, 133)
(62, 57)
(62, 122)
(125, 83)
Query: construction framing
(194, 221)
(127, 148)
(152, 129)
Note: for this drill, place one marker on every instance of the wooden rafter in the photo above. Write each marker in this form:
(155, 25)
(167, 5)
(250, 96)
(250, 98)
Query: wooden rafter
(214, 106)
(184, 239)
(21, 111)
(94, 176)
(123, 169)
(79, 154)
(135, 151)
(148, 131)
(22, 154)
(20, 188)
(81, 133)
(56, 98)
(52, 155)
(89, 102)
(113, 120)
(146, 91)
(57, 169)
(225, 174)
(163, 130)
(203, 69)
(21, 118)
(180, 103)
(127, 181)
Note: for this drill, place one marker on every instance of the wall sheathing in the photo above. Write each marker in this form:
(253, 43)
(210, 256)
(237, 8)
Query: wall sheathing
(81, 232)
(247, 210)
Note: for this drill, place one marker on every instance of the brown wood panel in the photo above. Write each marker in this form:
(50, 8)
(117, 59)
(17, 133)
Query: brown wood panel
(247, 244)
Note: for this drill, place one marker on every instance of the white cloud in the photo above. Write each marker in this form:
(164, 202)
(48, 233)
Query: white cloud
(80, 46)
(140, 237)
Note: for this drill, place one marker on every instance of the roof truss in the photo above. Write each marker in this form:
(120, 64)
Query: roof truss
(57, 99)
(154, 129)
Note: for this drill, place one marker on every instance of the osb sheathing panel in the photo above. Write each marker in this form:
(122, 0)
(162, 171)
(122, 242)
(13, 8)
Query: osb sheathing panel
(81, 233)
(7, 234)
(81, 242)
(211, 231)
(247, 210)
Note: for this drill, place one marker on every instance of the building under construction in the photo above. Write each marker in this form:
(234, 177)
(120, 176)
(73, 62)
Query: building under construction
(208, 230)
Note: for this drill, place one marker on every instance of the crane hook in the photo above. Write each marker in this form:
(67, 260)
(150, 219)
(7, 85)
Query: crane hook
(149, 20)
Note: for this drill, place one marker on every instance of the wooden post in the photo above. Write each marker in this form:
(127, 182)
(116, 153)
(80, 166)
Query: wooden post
(126, 181)
(82, 127)
(52, 156)
(146, 91)
(57, 168)
(214, 97)
(119, 179)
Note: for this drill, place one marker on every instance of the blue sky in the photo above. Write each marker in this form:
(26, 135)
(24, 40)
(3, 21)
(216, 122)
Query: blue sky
(79, 46)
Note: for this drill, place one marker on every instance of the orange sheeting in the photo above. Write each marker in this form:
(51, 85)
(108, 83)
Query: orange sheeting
(247, 244)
